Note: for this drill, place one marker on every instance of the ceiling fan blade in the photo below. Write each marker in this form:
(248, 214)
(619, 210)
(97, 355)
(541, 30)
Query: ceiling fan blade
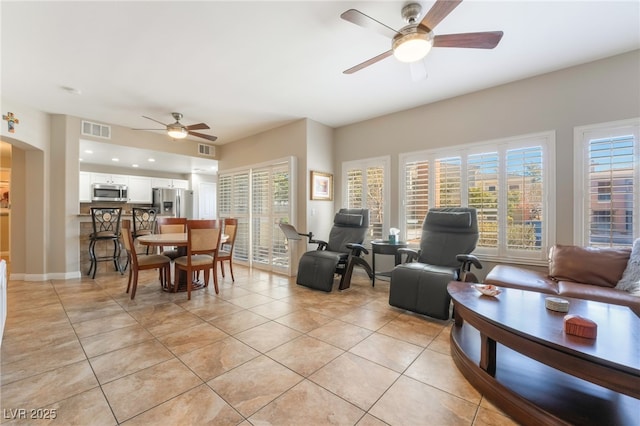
(153, 119)
(199, 126)
(202, 135)
(368, 62)
(438, 12)
(356, 17)
(484, 40)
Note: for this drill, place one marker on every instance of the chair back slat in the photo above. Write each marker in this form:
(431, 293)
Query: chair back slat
(106, 220)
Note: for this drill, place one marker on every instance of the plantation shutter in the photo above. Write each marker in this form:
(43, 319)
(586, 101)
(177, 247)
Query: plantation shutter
(448, 182)
(524, 198)
(612, 194)
(240, 210)
(416, 177)
(261, 208)
(483, 190)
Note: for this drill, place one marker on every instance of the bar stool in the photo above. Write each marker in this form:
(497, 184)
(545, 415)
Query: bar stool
(106, 227)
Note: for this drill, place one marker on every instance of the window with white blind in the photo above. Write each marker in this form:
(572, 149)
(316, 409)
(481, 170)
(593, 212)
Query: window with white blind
(607, 184)
(366, 186)
(507, 181)
(260, 198)
(233, 198)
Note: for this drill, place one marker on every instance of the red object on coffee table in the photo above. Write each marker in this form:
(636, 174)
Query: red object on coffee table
(580, 326)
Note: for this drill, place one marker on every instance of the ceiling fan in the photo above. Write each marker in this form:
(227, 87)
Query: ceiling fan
(412, 42)
(179, 131)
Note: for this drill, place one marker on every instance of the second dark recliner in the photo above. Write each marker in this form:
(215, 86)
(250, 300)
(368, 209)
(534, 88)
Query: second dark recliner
(339, 255)
(449, 234)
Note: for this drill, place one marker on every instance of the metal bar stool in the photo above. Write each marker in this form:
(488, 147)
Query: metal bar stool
(106, 227)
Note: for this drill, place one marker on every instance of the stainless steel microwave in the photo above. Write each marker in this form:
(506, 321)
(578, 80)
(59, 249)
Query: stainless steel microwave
(109, 192)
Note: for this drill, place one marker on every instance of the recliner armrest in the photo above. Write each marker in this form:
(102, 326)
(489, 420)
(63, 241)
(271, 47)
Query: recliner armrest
(412, 254)
(357, 249)
(467, 260)
(321, 244)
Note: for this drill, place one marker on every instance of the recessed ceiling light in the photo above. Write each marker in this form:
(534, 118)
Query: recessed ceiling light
(151, 160)
(115, 159)
(80, 159)
(134, 165)
(88, 151)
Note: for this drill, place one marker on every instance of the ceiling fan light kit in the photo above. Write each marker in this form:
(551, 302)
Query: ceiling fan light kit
(178, 133)
(412, 46)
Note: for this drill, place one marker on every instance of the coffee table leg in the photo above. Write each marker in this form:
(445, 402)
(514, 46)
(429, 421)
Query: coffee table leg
(487, 354)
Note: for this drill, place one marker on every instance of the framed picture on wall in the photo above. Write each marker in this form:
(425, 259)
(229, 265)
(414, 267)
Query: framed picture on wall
(321, 186)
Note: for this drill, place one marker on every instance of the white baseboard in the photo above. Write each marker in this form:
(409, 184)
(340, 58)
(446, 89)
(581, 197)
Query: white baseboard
(45, 277)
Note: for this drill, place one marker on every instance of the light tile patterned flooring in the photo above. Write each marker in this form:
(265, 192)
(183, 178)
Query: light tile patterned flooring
(263, 351)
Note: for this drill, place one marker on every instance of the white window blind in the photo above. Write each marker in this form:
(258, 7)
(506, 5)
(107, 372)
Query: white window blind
(260, 198)
(504, 180)
(607, 163)
(366, 187)
(416, 176)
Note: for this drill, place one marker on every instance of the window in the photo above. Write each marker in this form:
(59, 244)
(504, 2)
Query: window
(259, 198)
(607, 163)
(507, 181)
(365, 186)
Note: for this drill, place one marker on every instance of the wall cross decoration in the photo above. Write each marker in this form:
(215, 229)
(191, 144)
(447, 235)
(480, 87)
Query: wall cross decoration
(12, 120)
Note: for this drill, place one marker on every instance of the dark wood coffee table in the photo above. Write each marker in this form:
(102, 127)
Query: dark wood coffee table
(515, 352)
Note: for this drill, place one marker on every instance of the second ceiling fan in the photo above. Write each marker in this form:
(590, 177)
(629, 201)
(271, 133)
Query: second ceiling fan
(412, 42)
(179, 131)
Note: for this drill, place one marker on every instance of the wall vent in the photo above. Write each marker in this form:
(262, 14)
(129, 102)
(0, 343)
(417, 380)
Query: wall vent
(96, 130)
(208, 150)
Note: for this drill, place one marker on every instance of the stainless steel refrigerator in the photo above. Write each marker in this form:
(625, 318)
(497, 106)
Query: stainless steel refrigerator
(176, 202)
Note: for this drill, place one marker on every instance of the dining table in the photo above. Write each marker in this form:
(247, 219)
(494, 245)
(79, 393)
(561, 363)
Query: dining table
(179, 240)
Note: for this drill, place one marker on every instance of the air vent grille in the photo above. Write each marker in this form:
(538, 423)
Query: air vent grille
(96, 130)
(208, 150)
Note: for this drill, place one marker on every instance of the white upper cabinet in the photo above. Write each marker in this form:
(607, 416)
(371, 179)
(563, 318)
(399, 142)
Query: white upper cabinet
(84, 193)
(169, 183)
(109, 178)
(139, 189)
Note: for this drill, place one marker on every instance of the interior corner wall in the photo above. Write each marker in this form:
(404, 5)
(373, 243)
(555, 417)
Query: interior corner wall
(284, 141)
(319, 215)
(597, 92)
(29, 207)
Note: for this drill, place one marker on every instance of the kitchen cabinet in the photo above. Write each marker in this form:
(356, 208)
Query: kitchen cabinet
(139, 189)
(108, 178)
(169, 183)
(84, 190)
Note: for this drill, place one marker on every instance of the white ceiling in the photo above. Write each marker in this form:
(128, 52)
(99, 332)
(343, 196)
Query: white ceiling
(245, 67)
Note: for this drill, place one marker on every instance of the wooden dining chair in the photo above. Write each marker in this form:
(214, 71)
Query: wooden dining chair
(142, 262)
(171, 225)
(226, 248)
(203, 241)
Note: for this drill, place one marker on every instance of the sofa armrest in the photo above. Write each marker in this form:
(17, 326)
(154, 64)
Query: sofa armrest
(521, 278)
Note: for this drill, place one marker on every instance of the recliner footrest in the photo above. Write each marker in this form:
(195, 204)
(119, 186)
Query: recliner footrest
(317, 268)
(422, 288)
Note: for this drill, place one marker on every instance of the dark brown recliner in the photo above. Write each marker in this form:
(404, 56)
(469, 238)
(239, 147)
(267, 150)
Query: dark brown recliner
(337, 256)
(449, 234)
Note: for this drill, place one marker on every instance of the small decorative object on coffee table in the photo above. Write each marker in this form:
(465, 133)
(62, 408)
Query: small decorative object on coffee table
(556, 304)
(580, 326)
(488, 290)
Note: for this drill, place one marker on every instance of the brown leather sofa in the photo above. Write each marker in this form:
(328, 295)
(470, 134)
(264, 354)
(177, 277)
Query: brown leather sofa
(578, 272)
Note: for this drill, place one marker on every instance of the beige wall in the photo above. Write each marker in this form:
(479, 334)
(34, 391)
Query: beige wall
(601, 91)
(46, 148)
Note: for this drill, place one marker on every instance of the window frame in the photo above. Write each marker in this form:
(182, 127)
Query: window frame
(276, 237)
(546, 140)
(582, 135)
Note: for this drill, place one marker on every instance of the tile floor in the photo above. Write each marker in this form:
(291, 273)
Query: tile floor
(263, 351)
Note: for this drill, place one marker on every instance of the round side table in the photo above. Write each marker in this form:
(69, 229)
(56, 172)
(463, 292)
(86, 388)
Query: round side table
(387, 248)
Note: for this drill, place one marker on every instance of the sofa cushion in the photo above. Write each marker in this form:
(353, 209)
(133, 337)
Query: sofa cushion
(597, 293)
(630, 281)
(521, 278)
(597, 266)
